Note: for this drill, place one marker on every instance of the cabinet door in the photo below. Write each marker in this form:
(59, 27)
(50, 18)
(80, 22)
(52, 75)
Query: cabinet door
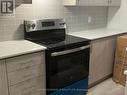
(26, 74)
(102, 59)
(96, 61)
(3, 79)
(70, 2)
(109, 55)
(93, 2)
(25, 61)
(114, 2)
(25, 67)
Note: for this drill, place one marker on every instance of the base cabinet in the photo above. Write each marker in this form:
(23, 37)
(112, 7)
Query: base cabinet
(101, 59)
(3, 78)
(26, 74)
(23, 75)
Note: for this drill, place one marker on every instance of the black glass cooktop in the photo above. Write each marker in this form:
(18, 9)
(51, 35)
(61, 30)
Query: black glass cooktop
(57, 42)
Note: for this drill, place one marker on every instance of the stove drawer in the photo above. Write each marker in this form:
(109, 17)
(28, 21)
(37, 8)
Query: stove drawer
(24, 61)
(35, 86)
(25, 74)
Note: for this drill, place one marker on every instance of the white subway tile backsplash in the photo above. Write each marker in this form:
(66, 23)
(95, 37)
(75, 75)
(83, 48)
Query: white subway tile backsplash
(76, 17)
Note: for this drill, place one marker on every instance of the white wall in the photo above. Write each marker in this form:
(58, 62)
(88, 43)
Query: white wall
(76, 17)
(117, 16)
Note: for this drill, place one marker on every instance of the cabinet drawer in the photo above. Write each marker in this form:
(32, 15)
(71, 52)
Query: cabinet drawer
(24, 61)
(26, 73)
(34, 86)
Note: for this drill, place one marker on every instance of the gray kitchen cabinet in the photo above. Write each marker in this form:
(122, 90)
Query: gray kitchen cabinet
(101, 59)
(3, 78)
(26, 74)
(92, 2)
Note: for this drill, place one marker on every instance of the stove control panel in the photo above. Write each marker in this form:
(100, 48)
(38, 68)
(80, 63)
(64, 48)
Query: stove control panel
(31, 26)
(45, 24)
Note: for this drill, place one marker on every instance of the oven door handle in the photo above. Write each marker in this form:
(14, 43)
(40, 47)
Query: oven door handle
(70, 51)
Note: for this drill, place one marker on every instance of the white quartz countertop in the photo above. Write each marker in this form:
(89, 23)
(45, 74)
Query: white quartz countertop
(18, 47)
(98, 33)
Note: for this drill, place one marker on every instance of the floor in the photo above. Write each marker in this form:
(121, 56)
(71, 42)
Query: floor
(107, 87)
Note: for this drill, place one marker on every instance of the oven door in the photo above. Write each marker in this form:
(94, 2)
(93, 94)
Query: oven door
(66, 67)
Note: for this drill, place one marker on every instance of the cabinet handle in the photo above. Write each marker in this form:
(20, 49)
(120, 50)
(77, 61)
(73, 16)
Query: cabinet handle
(70, 51)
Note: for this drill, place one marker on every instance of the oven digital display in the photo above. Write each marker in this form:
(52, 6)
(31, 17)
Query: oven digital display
(47, 24)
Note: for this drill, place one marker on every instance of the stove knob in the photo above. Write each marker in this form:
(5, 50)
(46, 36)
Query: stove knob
(33, 26)
(62, 24)
(28, 26)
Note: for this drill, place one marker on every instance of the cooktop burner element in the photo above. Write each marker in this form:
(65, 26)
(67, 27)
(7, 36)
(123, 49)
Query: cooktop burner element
(58, 42)
(50, 33)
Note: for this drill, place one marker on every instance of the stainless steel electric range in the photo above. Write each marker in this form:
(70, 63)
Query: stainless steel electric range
(67, 57)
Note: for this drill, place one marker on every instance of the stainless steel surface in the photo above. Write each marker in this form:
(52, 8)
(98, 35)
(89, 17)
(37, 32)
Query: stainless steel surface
(70, 51)
(36, 25)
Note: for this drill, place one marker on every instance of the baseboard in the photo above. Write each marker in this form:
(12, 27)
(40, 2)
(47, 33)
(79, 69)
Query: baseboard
(99, 81)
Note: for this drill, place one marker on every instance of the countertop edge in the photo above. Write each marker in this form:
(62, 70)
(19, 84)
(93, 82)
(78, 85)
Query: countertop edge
(120, 34)
(30, 47)
(105, 33)
(21, 53)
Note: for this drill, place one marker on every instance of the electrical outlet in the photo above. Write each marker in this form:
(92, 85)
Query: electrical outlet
(89, 19)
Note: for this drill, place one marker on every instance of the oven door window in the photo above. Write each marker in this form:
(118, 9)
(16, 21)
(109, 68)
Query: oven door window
(68, 68)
